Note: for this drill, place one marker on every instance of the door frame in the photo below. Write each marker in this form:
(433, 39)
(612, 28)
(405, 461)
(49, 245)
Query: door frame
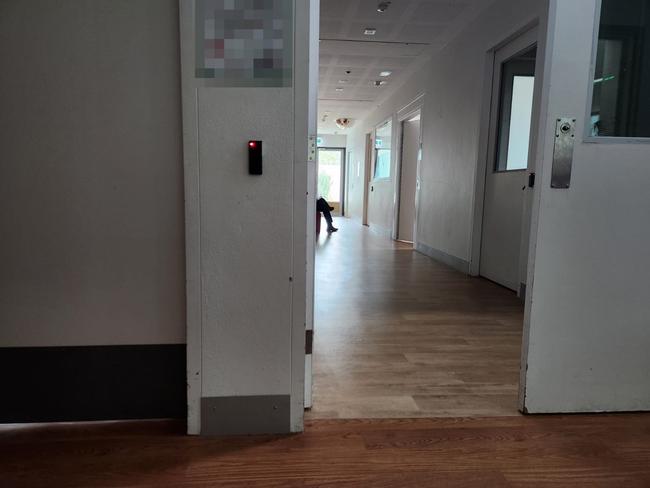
(536, 153)
(489, 131)
(403, 114)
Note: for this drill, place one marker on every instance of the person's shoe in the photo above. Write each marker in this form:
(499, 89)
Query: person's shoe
(331, 209)
(332, 229)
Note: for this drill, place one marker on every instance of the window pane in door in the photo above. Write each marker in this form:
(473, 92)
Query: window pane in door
(329, 174)
(383, 146)
(621, 98)
(521, 114)
(516, 111)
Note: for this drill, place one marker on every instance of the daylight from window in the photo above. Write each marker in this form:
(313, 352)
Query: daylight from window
(520, 119)
(329, 174)
(383, 150)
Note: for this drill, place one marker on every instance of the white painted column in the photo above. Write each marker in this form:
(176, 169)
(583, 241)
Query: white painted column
(246, 235)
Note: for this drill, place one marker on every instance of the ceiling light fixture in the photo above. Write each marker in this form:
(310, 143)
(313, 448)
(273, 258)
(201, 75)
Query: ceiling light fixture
(369, 31)
(343, 123)
(382, 6)
(385, 73)
(339, 89)
(343, 82)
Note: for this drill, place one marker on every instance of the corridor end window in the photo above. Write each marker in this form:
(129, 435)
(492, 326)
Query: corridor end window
(521, 115)
(621, 93)
(383, 135)
(330, 167)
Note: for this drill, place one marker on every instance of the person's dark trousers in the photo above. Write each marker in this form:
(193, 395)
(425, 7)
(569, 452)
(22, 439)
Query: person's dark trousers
(324, 207)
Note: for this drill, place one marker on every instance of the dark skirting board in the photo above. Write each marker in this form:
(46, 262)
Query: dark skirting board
(81, 383)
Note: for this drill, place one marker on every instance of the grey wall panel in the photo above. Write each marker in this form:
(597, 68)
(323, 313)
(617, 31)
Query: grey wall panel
(91, 175)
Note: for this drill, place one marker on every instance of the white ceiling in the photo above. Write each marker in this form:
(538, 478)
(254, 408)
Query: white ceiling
(408, 32)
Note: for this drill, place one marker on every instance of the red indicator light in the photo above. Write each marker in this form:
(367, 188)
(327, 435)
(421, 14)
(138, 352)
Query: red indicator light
(252, 144)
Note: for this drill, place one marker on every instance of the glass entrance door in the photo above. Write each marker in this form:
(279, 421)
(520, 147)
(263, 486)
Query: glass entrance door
(330, 176)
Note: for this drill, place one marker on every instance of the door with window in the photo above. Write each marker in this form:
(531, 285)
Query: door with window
(508, 161)
(331, 171)
(587, 338)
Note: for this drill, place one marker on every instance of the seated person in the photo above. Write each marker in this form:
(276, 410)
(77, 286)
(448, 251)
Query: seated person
(324, 207)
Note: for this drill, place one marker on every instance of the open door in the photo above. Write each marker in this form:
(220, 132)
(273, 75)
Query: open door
(367, 177)
(408, 168)
(587, 337)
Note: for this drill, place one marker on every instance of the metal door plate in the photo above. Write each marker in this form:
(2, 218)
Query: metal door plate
(565, 136)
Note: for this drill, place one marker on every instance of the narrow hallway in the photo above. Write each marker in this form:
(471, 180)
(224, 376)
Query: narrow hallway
(399, 335)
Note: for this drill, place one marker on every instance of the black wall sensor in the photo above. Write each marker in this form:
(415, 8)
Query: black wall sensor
(255, 157)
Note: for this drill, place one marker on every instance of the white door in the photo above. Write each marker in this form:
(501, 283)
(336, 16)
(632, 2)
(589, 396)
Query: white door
(508, 166)
(588, 310)
(408, 178)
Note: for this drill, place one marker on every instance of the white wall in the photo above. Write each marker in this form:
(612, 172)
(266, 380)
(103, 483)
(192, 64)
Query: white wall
(91, 180)
(453, 83)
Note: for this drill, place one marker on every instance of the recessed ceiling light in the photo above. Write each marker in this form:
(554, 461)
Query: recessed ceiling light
(385, 73)
(339, 89)
(370, 31)
(382, 6)
(343, 82)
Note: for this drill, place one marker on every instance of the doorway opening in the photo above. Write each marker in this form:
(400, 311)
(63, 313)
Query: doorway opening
(397, 333)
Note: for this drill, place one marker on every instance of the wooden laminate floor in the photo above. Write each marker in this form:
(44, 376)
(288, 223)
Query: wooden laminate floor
(399, 335)
(579, 451)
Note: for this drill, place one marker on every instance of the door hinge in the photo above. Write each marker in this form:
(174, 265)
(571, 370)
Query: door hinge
(311, 151)
(309, 341)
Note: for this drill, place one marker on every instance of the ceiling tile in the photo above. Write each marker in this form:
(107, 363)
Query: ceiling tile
(420, 33)
(333, 9)
(438, 12)
(406, 33)
(355, 61)
(367, 11)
